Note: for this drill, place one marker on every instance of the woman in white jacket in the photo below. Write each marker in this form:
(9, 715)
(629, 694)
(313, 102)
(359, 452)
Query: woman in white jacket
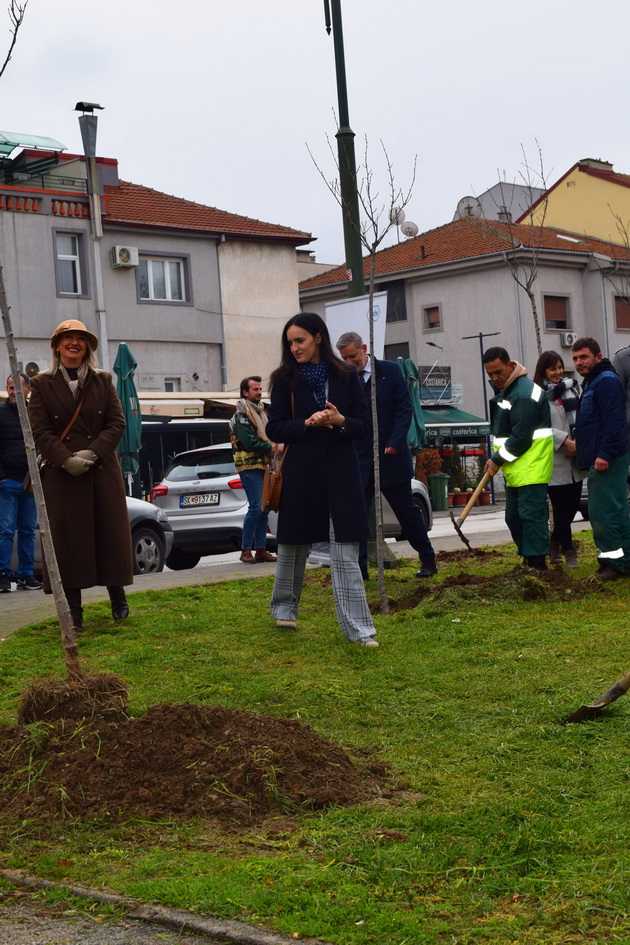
(565, 486)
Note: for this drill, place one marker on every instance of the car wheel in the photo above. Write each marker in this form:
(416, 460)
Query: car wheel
(148, 551)
(417, 501)
(182, 560)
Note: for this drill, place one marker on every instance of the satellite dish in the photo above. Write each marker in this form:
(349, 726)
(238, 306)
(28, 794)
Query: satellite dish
(32, 368)
(397, 216)
(469, 207)
(409, 229)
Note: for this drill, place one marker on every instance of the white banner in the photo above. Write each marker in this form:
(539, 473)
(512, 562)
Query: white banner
(353, 315)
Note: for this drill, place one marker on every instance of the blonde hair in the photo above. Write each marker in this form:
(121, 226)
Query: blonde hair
(89, 359)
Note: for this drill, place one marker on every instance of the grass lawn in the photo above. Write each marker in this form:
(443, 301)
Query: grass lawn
(512, 828)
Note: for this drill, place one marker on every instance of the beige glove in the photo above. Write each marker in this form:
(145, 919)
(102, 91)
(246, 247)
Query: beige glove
(77, 465)
(87, 454)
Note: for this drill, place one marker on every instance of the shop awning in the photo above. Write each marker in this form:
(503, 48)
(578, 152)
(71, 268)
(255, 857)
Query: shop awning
(450, 421)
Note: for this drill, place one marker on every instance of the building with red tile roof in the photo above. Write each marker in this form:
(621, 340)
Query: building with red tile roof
(199, 294)
(590, 198)
(457, 280)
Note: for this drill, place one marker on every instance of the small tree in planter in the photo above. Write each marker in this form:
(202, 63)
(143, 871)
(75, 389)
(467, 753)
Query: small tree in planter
(428, 462)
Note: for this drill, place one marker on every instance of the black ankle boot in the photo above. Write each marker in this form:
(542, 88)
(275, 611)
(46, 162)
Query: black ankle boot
(120, 607)
(73, 596)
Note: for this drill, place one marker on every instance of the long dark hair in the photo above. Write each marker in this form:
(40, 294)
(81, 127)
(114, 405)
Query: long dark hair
(548, 359)
(289, 367)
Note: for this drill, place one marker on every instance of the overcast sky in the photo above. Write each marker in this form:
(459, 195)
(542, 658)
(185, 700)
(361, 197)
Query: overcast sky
(217, 101)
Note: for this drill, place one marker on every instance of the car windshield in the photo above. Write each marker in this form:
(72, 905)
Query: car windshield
(207, 465)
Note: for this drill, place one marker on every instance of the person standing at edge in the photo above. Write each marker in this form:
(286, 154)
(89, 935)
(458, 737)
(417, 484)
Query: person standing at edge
(523, 451)
(394, 411)
(77, 423)
(318, 411)
(602, 449)
(18, 512)
(252, 449)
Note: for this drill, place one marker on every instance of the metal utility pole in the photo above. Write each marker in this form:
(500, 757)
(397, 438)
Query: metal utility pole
(346, 158)
(88, 122)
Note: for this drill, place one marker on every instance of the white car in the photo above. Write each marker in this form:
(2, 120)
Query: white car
(151, 536)
(206, 505)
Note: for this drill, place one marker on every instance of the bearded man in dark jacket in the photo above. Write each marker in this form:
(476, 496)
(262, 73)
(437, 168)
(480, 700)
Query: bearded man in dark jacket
(17, 505)
(602, 448)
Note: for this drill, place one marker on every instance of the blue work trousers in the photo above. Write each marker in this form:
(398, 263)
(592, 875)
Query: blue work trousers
(18, 513)
(255, 524)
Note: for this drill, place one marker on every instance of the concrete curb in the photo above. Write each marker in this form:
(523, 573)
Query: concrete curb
(177, 919)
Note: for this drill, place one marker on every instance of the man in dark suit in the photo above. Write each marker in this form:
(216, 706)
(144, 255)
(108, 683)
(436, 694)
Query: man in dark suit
(393, 408)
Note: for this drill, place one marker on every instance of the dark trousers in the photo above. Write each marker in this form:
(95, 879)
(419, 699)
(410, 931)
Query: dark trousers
(608, 512)
(407, 514)
(526, 517)
(565, 501)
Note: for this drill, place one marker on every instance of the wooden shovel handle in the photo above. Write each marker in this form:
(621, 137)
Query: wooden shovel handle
(473, 498)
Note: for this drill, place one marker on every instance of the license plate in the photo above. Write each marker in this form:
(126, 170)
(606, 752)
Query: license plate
(204, 498)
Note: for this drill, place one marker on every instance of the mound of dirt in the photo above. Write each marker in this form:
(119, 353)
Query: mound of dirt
(521, 583)
(227, 766)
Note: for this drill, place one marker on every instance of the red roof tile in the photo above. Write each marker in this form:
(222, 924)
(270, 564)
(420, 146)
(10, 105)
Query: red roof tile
(137, 205)
(466, 239)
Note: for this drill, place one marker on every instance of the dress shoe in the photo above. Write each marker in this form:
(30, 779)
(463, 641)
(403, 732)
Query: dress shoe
(263, 555)
(427, 570)
(120, 607)
(247, 557)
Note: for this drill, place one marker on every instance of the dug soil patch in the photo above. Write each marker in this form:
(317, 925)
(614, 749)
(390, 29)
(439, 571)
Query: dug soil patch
(520, 583)
(183, 761)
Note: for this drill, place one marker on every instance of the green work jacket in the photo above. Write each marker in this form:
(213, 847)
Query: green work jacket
(523, 438)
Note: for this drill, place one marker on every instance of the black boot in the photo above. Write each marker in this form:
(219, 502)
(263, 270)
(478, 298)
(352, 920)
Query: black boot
(537, 562)
(120, 607)
(73, 596)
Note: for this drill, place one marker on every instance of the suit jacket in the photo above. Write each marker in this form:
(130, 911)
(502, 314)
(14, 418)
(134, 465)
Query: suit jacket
(394, 411)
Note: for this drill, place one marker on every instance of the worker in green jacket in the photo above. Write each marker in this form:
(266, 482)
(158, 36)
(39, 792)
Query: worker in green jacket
(523, 451)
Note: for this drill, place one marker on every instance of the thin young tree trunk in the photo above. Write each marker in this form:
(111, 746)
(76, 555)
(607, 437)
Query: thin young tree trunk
(378, 500)
(68, 632)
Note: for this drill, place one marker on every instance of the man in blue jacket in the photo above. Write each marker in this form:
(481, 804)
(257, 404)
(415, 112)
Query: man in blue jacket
(393, 408)
(602, 448)
(17, 505)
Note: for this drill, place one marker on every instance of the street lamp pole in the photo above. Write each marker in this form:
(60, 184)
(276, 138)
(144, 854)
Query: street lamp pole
(346, 157)
(481, 336)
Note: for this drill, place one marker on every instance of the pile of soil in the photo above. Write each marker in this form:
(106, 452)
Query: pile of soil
(227, 766)
(521, 583)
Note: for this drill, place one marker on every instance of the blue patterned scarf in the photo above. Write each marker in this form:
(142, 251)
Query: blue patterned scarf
(316, 376)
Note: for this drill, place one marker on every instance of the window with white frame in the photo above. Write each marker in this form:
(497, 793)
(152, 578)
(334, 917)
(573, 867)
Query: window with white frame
(161, 279)
(172, 384)
(70, 263)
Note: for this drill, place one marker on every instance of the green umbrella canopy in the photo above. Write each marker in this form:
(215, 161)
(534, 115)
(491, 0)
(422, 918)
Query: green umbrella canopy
(417, 435)
(124, 367)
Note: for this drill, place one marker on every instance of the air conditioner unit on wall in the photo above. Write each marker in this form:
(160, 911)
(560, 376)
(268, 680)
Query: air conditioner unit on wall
(31, 368)
(124, 257)
(568, 338)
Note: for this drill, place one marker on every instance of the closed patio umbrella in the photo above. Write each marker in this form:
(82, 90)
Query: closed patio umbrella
(417, 434)
(128, 448)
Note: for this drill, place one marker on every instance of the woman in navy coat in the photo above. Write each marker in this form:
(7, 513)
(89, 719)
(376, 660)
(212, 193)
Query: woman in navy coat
(317, 409)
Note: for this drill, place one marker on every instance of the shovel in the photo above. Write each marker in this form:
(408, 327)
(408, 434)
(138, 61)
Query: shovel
(587, 712)
(458, 522)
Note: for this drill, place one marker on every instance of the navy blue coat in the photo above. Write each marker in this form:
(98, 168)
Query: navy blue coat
(320, 475)
(600, 427)
(394, 411)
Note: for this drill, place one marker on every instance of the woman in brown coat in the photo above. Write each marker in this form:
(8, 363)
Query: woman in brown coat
(82, 481)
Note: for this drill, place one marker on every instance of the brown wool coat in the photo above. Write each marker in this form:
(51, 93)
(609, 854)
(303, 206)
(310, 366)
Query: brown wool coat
(88, 514)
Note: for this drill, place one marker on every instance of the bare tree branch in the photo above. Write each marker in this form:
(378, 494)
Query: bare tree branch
(16, 17)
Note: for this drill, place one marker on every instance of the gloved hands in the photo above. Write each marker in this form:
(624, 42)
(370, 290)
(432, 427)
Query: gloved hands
(87, 454)
(77, 465)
